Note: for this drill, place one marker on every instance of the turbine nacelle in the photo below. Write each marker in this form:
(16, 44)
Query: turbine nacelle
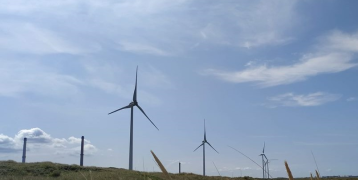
(134, 103)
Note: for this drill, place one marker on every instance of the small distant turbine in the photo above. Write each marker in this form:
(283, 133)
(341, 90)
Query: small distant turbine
(131, 105)
(264, 164)
(203, 144)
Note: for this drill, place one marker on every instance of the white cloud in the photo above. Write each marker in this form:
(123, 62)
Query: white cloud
(7, 144)
(33, 135)
(243, 168)
(39, 140)
(337, 40)
(312, 99)
(272, 76)
(335, 54)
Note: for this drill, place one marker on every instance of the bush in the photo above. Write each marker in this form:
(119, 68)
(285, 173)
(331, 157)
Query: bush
(55, 173)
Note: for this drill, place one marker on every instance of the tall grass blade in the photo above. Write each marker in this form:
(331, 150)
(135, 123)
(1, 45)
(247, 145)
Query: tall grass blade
(161, 165)
(311, 176)
(317, 174)
(290, 177)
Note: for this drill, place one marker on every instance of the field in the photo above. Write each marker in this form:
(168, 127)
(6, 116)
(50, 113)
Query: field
(11, 170)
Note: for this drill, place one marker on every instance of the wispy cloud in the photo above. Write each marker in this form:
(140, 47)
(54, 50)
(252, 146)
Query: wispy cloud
(24, 37)
(141, 48)
(327, 143)
(17, 77)
(312, 99)
(334, 55)
(350, 99)
(157, 27)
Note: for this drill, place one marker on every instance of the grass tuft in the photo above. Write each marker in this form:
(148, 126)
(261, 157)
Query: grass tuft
(290, 177)
(317, 174)
(161, 165)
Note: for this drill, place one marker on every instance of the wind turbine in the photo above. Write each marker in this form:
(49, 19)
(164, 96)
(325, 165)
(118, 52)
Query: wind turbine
(249, 159)
(264, 163)
(203, 144)
(131, 105)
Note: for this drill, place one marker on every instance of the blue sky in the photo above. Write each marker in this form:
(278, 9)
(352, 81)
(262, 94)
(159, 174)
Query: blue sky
(280, 72)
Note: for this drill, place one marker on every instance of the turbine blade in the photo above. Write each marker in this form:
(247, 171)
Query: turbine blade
(146, 116)
(198, 147)
(125, 107)
(212, 147)
(204, 131)
(135, 88)
(245, 156)
(263, 150)
(315, 160)
(216, 169)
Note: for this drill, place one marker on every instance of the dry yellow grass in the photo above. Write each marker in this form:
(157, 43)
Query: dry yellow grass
(317, 174)
(161, 165)
(290, 177)
(311, 176)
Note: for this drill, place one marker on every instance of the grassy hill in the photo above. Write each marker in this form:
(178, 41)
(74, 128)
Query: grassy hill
(11, 170)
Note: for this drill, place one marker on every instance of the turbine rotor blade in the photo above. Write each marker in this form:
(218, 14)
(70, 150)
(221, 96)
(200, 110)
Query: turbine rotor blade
(216, 169)
(263, 150)
(198, 147)
(245, 156)
(125, 107)
(135, 88)
(146, 116)
(204, 131)
(266, 157)
(212, 147)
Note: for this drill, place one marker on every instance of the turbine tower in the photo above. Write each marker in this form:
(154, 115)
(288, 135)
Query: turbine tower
(24, 151)
(264, 164)
(131, 105)
(82, 145)
(203, 144)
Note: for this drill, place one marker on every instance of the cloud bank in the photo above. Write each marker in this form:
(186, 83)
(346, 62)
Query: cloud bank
(39, 140)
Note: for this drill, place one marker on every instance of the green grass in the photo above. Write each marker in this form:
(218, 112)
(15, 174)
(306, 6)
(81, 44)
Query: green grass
(11, 170)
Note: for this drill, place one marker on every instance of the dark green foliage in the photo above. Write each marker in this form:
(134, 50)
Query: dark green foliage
(55, 173)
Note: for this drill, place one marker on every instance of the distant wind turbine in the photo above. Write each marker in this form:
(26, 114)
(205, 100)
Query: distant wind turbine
(264, 164)
(203, 144)
(131, 105)
(247, 158)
